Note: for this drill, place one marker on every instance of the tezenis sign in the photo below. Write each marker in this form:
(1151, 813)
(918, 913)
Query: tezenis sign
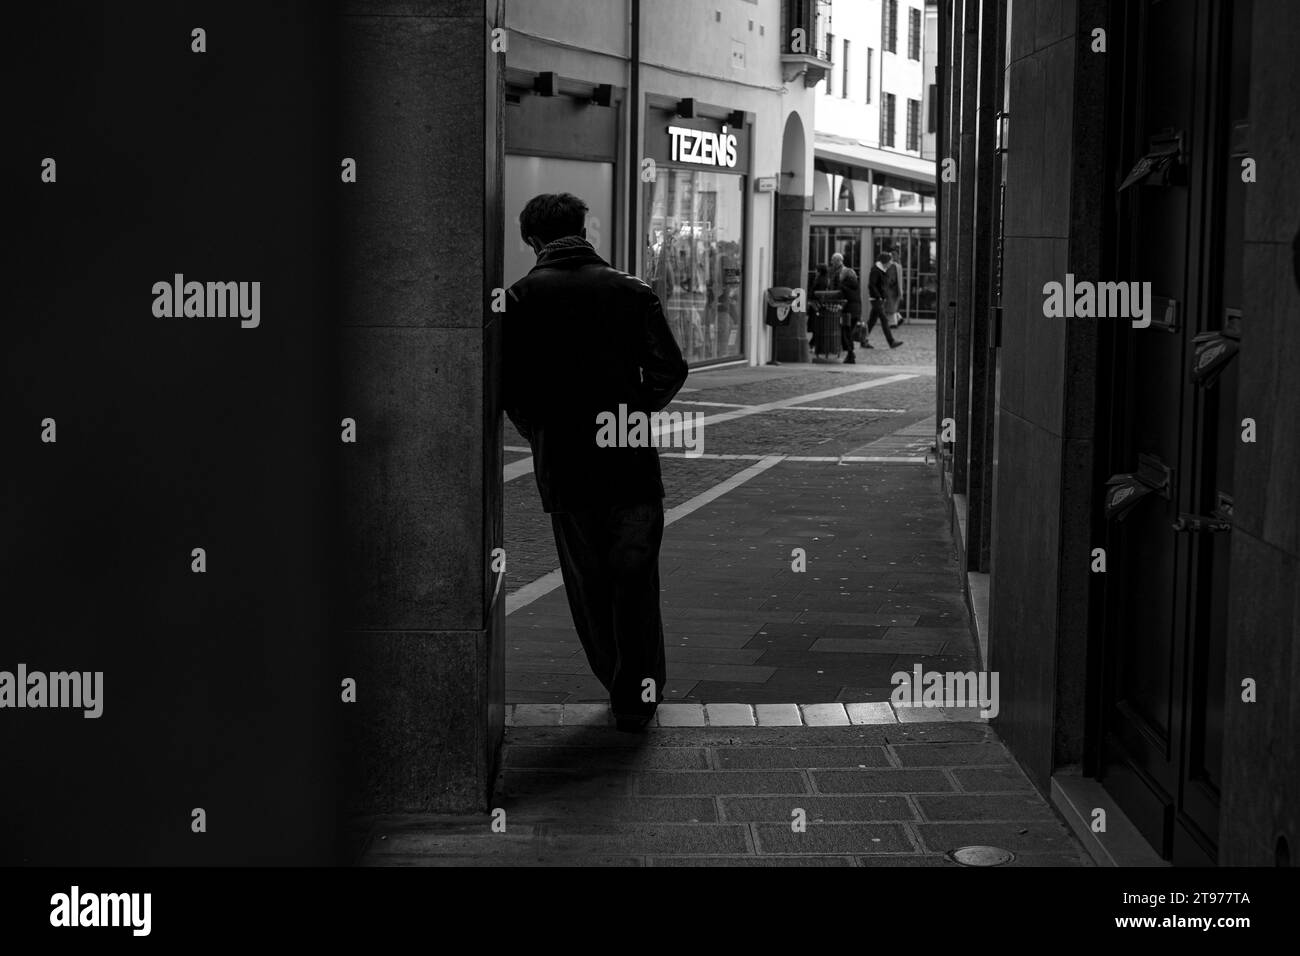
(702, 147)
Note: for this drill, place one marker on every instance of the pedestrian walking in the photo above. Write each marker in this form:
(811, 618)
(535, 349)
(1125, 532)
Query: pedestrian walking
(877, 291)
(582, 338)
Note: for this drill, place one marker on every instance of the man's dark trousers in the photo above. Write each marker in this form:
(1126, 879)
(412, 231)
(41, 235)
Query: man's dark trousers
(609, 557)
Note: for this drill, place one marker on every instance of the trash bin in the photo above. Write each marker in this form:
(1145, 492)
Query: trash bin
(826, 327)
(780, 316)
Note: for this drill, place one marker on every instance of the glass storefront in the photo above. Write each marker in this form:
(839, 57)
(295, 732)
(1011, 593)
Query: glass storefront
(914, 248)
(693, 259)
(529, 176)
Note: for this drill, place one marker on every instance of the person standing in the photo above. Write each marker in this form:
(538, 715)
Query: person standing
(893, 293)
(877, 290)
(582, 338)
(846, 281)
(822, 283)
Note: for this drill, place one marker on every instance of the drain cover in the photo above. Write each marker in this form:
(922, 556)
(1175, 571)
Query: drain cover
(982, 856)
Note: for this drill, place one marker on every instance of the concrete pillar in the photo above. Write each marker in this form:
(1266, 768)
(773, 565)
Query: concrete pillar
(420, 231)
(790, 268)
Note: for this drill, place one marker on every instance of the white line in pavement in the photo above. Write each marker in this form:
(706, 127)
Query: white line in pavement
(547, 583)
(667, 436)
(513, 470)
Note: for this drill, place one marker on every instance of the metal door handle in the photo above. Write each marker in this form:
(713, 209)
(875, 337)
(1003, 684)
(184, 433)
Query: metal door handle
(1199, 523)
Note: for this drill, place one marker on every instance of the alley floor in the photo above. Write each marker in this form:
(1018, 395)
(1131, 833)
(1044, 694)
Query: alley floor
(807, 556)
(777, 743)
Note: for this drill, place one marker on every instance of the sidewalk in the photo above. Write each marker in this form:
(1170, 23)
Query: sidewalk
(902, 795)
(880, 593)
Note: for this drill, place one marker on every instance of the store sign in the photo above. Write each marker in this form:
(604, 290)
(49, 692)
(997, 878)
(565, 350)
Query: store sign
(701, 147)
(765, 184)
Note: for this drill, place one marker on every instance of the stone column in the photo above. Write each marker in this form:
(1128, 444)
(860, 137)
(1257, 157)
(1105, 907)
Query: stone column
(420, 232)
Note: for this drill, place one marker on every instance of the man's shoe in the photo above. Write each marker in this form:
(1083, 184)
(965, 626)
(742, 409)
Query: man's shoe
(850, 360)
(894, 345)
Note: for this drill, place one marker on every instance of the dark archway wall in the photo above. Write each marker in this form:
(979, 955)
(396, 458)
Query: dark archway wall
(220, 692)
(1261, 798)
(421, 244)
(1053, 397)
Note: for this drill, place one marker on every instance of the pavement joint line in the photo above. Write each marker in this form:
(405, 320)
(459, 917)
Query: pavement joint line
(551, 580)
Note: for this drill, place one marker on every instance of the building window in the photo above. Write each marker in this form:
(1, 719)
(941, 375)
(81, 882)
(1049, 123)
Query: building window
(889, 26)
(830, 74)
(870, 71)
(933, 124)
(886, 120)
(913, 34)
(844, 80)
(913, 125)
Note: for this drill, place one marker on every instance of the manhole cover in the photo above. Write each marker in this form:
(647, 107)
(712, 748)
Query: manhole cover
(982, 856)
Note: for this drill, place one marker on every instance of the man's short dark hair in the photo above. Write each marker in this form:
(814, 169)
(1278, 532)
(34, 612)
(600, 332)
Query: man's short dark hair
(553, 216)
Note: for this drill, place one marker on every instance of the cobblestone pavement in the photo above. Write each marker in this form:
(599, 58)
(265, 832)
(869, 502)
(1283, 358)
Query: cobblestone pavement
(905, 795)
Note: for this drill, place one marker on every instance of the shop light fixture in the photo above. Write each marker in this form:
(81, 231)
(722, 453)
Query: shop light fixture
(686, 108)
(603, 95)
(736, 119)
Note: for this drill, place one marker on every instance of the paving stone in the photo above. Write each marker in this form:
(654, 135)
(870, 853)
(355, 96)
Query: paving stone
(818, 861)
(828, 838)
(883, 780)
(824, 715)
(666, 839)
(951, 754)
(774, 758)
(991, 779)
(523, 784)
(591, 758)
(719, 783)
(536, 810)
(778, 715)
(869, 646)
(532, 715)
(525, 859)
(586, 715)
(819, 809)
(984, 807)
(870, 713)
(680, 715)
(729, 715)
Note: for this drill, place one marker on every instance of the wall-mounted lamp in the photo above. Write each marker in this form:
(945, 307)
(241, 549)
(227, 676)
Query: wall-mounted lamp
(686, 108)
(1003, 121)
(603, 95)
(546, 84)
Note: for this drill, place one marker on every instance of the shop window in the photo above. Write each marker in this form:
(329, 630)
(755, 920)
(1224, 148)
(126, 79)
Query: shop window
(694, 259)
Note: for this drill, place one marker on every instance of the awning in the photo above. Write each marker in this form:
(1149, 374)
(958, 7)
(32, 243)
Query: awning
(844, 150)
